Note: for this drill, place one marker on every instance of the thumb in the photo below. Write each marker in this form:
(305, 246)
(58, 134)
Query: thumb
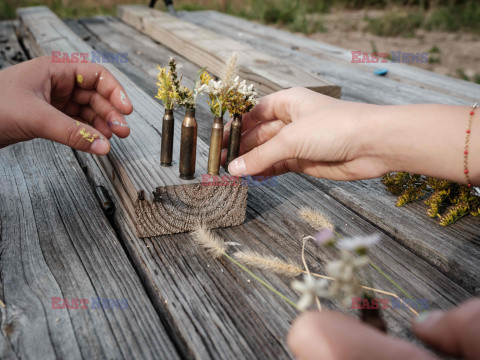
(52, 124)
(264, 156)
(455, 332)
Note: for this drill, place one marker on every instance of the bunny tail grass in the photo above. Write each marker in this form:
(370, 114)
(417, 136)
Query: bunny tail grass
(209, 241)
(316, 219)
(268, 262)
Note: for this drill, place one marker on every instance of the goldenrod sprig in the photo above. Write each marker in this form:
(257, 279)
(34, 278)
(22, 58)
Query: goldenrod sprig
(170, 88)
(167, 90)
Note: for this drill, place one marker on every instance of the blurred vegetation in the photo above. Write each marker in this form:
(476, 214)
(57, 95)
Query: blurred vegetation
(63, 8)
(476, 78)
(395, 23)
(296, 15)
(405, 21)
(463, 75)
(402, 18)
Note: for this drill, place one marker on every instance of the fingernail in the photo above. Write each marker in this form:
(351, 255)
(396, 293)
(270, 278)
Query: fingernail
(428, 316)
(100, 147)
(113, 122)
(237, 166)
(123, 98)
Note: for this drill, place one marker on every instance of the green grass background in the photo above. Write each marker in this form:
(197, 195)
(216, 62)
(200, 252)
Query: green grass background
(402, 17)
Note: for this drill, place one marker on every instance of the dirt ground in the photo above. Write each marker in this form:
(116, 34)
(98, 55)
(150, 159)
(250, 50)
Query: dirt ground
(457, 50)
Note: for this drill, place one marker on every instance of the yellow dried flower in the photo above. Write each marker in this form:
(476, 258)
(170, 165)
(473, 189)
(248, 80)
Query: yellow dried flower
(167, 91)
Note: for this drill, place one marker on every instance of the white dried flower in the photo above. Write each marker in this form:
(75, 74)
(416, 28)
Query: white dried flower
(324, 237)
(358, 243)
(233, 85)
(310, 288)
(199, 88)
(346, 271)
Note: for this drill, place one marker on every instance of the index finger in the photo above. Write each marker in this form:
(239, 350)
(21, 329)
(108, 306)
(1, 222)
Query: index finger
(333, 336)
(271, 107)
(96, 77)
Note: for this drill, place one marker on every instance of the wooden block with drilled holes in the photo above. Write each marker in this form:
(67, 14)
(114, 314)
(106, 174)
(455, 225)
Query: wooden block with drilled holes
(157, 200)
(208, 49)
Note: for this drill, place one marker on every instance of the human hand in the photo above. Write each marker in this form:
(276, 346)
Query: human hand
(79, 105)
(300, 130)
(332, 336)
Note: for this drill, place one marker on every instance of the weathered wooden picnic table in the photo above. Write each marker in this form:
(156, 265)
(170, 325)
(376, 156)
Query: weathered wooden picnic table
(57, 242)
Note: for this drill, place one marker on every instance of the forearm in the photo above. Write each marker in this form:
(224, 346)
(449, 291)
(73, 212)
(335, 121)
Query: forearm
(426, 139)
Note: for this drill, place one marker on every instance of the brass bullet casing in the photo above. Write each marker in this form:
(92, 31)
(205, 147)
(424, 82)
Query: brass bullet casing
(233, 149)
(215, 151)
(168, 125)
(188, 146)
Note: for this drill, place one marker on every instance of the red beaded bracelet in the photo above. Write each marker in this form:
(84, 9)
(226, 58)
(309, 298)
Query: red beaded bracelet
(467, 139)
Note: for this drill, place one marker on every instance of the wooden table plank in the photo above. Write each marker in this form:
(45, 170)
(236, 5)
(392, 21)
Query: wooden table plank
(241, 30)
(454, 249)
(56, 242)
(188, 284)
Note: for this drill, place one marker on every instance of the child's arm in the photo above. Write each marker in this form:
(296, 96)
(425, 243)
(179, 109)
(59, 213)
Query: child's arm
(301, 131)
(80, 105)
